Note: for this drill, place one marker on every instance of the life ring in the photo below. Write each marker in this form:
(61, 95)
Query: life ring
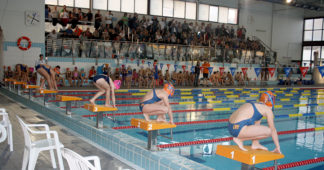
(23, 47)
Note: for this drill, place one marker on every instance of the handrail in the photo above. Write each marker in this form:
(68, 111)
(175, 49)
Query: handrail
(264, 44)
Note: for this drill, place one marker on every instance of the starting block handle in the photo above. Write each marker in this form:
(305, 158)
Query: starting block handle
(152, 139)
(99, 124)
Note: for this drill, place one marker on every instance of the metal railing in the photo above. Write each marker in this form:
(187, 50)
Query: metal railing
(71, 47)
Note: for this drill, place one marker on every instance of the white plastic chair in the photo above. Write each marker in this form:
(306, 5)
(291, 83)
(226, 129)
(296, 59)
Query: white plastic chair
(5, 122)
(33, 148)
(77, 162)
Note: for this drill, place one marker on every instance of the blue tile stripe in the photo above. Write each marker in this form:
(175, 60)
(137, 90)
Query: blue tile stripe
(7, 44)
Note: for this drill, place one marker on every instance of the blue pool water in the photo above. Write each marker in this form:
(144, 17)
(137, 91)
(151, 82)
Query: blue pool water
(295, 147)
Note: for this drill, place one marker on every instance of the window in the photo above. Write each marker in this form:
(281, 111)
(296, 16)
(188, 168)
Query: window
(114, 5)
(179, 9)
(127, 6)
(190, 10)
(82, 3)
(51, 2)
(318, 24)
(317, 35)
(156, 7)
(203, 12)
(168, 8)
(307, 53)
(232, 16)
(309, 24)
(66, 2)
(223, 15)
(308, 35)
(141, 6)
(99, 4)
(213, 13)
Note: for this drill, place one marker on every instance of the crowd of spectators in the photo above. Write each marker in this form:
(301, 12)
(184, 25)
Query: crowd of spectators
(133, 28)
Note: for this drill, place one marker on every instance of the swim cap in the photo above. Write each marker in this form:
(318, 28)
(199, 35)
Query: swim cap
(169, 88)
(117, 84)
(268, 99)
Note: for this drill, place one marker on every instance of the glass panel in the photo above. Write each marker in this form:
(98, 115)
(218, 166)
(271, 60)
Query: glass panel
(149, 51)
(213, 13)
(124, 49)
(85, 49)
(322, 54)
(51, 2)
(203, 12)
(318, 23)
(76, 48)
(141, 6)
(116, 48)
(308, 36)
(156, 51)
(156, 7)
(101, 49)
(82, 3)
(127, 6)
(168, 8)
(308, 24)
(168, 52)
(100, 4)
(114, 5)
(108, 50)
(94, 49)
(307, 52)
(223, 14)
(66, 2)
(141, 51)
(317, 35)
(66, 48)
(179, 9)
(161, 52)
(190, 10)
(315, 48)
(132, 50)
(232, 16)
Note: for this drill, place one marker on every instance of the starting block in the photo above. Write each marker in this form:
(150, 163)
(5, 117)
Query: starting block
(99, 109)
(30, 88)
(152, 127)
(9, 81)
(19, 84)
(46, 93)
(68, 100)
(248, 158)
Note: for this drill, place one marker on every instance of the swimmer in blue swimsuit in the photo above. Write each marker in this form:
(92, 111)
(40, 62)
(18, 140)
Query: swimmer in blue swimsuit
(156, 102)
(245, 123)
(49, 74)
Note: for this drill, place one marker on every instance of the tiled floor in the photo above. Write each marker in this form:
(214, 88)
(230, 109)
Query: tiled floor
(13, 160)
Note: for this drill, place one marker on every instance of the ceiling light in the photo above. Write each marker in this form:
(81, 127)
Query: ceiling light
(288, 1)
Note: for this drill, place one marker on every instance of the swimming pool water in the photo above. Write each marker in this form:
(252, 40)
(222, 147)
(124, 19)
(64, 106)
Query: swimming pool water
(295, 147)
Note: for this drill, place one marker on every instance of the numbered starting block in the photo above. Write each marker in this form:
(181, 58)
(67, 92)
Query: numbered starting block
(152, 127)
(68, 100)
(46, 94)
(18, 84)
(99, 110)
(8, 83)
(248, 158)
(30, 88)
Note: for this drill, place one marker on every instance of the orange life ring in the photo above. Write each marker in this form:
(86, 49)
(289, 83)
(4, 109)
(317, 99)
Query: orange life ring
(20, 45)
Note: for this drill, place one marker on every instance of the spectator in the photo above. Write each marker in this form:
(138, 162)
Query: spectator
(197, 73)
(55, 16)
(205, 66)
(89, 16)
(98, 19)
(92, 73)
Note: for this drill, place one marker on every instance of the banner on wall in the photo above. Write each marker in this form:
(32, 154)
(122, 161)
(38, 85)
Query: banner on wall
(168, 65)
(132, 59)
(192, 69)
(184, 68)
(244, 69)
(233, 69)
(149, 64)
(161, 66)
(287, 71)
(257, 71)
(175, 67)
(210, 69)
(221, 70)
(143, 61)
(321, 70)
(271, 71)
(303, 70)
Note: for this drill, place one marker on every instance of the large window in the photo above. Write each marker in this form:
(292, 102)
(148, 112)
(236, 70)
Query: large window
(66, 2)
(156, 7)
(232, 16)
(141, 6)
(223, 15)
(213, 13)
(114, 5)
(190, 10)
(313, 29)
(51, 2)
(99, 4)
(82, 3)
(127, 6)
(179, 9)
(168, 8)
(203, 12)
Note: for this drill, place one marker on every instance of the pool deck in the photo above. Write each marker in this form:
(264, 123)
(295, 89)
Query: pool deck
(13, 160)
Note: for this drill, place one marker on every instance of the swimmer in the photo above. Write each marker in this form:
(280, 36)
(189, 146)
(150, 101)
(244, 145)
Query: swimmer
(105, 84)
(244, 123)
(156, 102)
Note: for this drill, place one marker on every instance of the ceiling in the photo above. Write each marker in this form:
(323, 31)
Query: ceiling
(316, 5)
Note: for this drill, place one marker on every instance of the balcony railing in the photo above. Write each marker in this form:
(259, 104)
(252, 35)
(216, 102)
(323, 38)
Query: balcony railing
(69, 47)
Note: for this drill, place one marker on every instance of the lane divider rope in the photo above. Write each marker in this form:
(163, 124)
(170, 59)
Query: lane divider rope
(295, 164)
